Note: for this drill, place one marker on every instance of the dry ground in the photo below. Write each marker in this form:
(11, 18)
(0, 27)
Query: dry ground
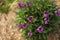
(9, 31)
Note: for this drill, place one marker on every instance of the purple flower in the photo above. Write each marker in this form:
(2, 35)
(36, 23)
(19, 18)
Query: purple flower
(46, 22)
(30, 34)
(46, 14)
(40, 29)
(28, 4)
(21, 5)
(20, 26)
(30, 18)
(25, 25)
(45, 19)
(57, 12)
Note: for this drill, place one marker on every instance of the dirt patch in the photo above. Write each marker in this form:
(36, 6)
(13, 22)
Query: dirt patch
(8, 30)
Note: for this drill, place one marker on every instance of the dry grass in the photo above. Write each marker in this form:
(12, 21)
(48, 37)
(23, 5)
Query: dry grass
(8, 29)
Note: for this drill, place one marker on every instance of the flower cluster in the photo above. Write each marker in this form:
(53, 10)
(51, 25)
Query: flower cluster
(46, 15)
(21, 5)
(22, 26)
(37, 22)
(40, 29)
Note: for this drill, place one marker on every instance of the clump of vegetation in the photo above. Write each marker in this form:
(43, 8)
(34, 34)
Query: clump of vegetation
(37, 18)
(4, 5)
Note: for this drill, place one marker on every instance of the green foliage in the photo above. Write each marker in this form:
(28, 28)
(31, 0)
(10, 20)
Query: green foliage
(4, 5)
(37, 10)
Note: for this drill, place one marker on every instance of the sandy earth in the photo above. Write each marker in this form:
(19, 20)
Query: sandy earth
(9, 31)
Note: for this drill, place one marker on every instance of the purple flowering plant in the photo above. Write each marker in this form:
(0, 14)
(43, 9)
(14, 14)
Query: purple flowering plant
(37, 18)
